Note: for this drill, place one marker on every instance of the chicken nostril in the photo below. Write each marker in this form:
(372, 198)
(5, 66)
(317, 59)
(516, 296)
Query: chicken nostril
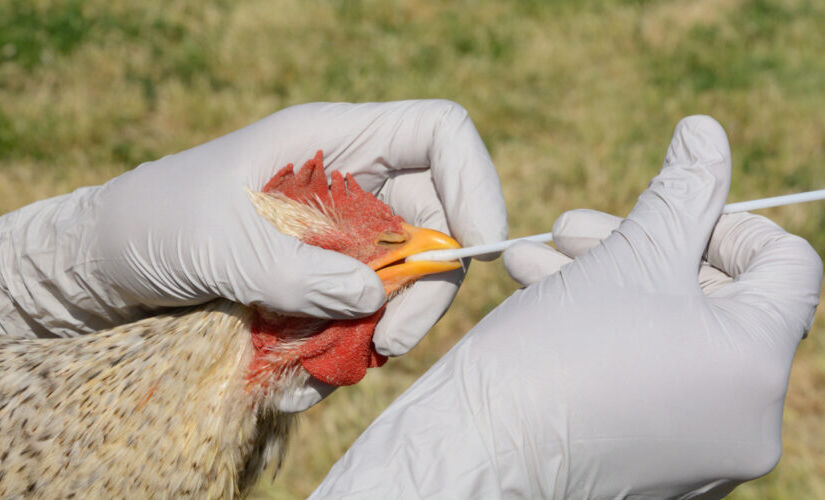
(391, 238)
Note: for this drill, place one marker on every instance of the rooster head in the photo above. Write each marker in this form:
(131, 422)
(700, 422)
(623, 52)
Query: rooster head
(342, 217)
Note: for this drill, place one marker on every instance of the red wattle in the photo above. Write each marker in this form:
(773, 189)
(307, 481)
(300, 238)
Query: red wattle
(341, 354)
(338, 354)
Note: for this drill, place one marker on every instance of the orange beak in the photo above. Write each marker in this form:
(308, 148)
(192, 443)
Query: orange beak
(395, 272)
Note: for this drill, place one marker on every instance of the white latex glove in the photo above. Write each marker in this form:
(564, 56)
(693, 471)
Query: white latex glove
(616, 376)
(181, 230)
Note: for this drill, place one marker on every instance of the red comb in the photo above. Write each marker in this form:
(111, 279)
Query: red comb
(309, 185)
(306, 186)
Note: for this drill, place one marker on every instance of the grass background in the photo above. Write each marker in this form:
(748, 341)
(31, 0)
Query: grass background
(576, 101)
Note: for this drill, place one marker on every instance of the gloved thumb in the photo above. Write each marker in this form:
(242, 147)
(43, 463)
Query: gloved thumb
(668, 229)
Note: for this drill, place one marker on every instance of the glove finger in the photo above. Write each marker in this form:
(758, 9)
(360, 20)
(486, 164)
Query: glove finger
(528, 262)
(575, 232)
(413, 312)
(303, 398)
(712, 279)
(464, 175)
(776, 275)
(667, 231)
(412, 195)
(434, 134)
(280, 273)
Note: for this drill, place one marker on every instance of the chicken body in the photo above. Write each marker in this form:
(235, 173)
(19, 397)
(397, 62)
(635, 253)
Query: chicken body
(184, 404)
(160, 405)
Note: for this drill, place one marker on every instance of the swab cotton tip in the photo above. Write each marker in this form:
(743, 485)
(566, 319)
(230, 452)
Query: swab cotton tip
(742, 206)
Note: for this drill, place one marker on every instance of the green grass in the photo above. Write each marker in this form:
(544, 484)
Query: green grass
(575, 100)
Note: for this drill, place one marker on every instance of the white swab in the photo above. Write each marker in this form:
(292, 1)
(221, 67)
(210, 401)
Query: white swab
(775, 201)
(742, 206)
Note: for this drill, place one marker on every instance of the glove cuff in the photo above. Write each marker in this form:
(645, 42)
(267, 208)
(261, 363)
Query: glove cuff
(48, 284)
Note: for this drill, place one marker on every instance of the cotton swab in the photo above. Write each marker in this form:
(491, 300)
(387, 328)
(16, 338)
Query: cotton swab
(742, 206)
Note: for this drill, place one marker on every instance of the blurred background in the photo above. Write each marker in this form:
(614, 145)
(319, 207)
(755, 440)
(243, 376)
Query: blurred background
(576, 101)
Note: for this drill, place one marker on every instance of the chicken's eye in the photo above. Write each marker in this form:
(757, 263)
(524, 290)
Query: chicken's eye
(390, 238)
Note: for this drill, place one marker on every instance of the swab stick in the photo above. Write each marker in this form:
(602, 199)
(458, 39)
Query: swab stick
(742, 206)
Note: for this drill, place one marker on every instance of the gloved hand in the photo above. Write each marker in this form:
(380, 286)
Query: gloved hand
(181, 230)
(618, 375)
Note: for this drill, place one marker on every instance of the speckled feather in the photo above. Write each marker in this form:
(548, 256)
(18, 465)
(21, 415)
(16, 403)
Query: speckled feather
(183, 404)
(156, 406)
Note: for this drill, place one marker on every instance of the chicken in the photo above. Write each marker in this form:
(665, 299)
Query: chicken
(185, 403)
